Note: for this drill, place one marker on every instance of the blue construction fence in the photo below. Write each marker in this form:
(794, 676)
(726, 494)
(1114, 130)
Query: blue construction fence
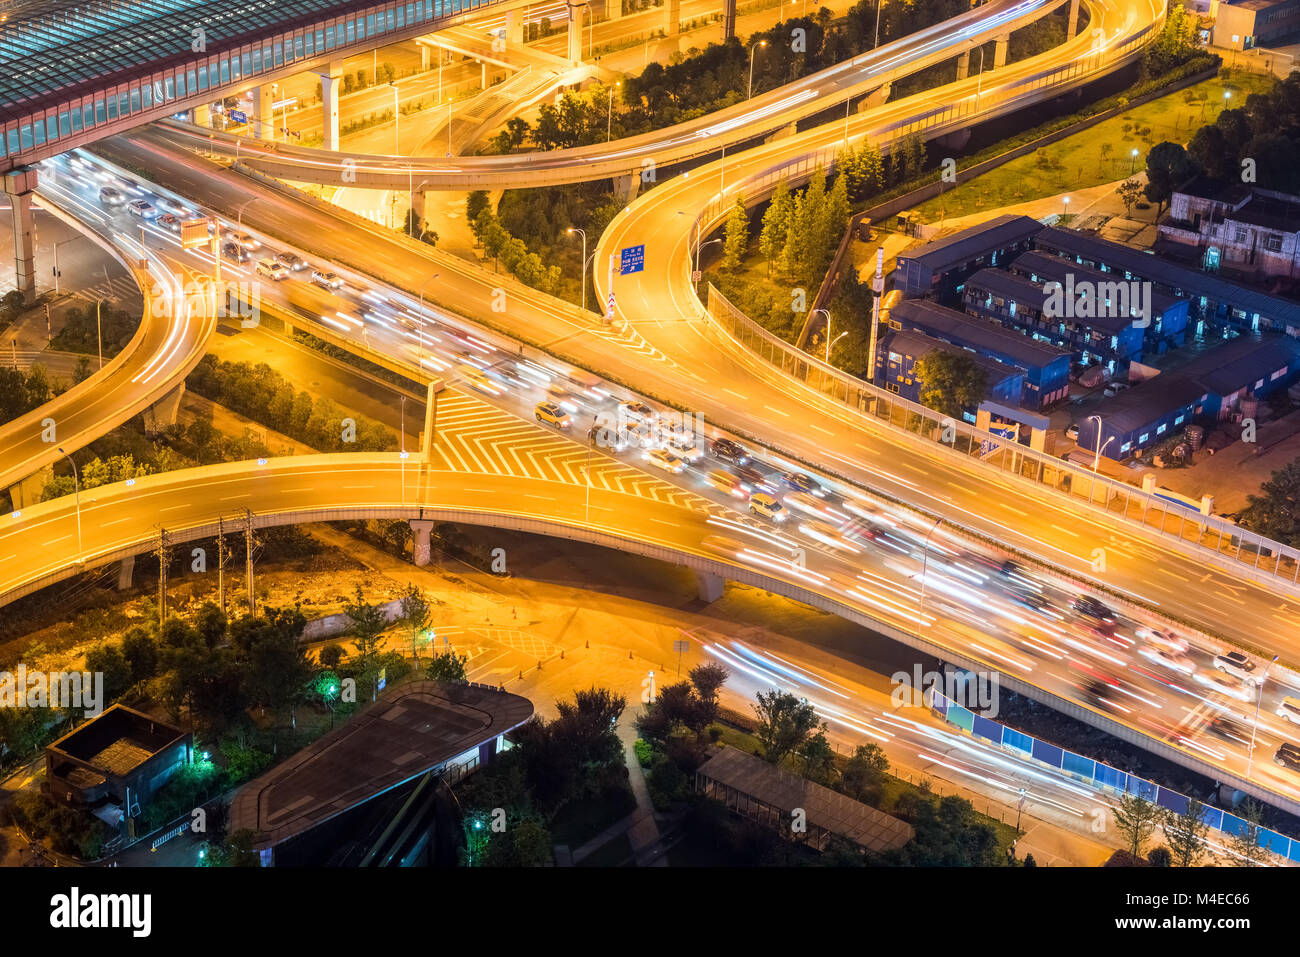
(1101, 775)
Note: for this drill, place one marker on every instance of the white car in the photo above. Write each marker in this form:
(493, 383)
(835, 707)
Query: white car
(326, 280)
(1171, 660)
(1159, 638)
(1288, 709)
(1238, 665)
(111, 196)
(142, 208)
(1224, 684)
(685, 447)
(273, 270)
(662, 458)
(636, 412)
(245, 240)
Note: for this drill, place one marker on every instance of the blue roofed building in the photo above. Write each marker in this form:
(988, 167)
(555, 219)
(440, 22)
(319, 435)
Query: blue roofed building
(1046, 367)
(938, 268)
(898, 353)
(1019, 303)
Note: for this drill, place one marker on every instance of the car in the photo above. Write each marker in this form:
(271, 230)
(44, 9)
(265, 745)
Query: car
(326, 280)
(479, 381)
(142, 208)
(662, 458)
(1228, 727)
(552, 414)
(291, 261)
(827, 534)
(803, 502)
(1092, 610)
(729, 451)
(175, 207)
(760, 503)
(1237, 665)
(1288, 756)
(636, 412)
(753, 480)
(1161, 638)
(1224, 684)
(272, 269)
(111, 196)
(724, 481)
(1072, 433)
(684, 447)
(1028, 598)
(169, 222)
(1169, 660)
(1288, 709)
(643, 434)
(245, 240)
(803, 483)
(1114, 389)
(607, 438)
(235, 252)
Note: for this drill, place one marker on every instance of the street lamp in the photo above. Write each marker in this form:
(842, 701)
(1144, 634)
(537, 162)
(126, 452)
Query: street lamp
(752, 50)
(1259, 697)
(76, 487)
(427, 284)
(99, 332)
(57, 273)
(697, 252)
(925, 560)
(575, 229)
(827, 313)
(979, 81)
(830, 343)
(1134, 161)
(876, 43)
(609, 115)
(1065, 206)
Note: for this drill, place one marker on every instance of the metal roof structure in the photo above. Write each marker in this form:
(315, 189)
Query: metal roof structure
(940, 321)
(1025, 292)
(834, 812)
(1040, 265)
(968, 243)
(917, 344)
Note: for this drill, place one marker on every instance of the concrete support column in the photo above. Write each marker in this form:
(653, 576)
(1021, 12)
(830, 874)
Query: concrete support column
(263, 118)
(163, 412)
(729, 20)
(330, 84)
(28, 492)
(673, 12)
(710, 586)
(876, 97)
(626, 186)
(483, 79)
(515, 26)
(203, 115)
(426, 57)
(125, 572)
(963, 65)
(19, 184)
(1000, 51)
(1074, 20)
(613, 9)
(421, 548)
(575, 33)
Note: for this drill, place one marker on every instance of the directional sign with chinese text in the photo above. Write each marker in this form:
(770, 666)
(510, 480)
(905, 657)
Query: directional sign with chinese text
(238, 116)
(632, 260)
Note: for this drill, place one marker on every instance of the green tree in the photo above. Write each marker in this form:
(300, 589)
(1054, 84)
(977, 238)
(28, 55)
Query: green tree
(817, 758)
(1186, 833)
(415, 612)
(1275, 512)
(736, 234)
(330, 656)
(776, 222)
(950, 382)
(864, 773)
(1160, 857)
(1129, 192)
(1245, 843)
(1136, 819)
(141, 654)
(785, 723)
(367, 624)
(107, 658)
(447, 666)
(1168, 168)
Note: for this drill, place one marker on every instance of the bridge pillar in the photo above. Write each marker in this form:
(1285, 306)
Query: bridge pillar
(613, 9)
(711, 586)
(784, 133)
(125, 572)
(203, 115)
(263, 114)
(673, 12)
(426, 57)
(19, 184)
(729, 20)
(515, 26)
(28, 492)
(575, 33)
(1000, 51)
(163, 412)
(1074, 20)
(330, 82)
(626, 186)
(877, 96)
(963, 65)
(421, 548)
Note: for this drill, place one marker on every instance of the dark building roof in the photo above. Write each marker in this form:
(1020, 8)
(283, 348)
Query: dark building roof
(1026, 292)
(829, 810)
(980, 333)
(412, 728)
(1144, 403)
(1189, 282)
(1055, 268)
(969, 243)
(117, 741)
(917, 344)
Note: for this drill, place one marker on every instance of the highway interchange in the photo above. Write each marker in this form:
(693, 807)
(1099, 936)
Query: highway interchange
(871, 570)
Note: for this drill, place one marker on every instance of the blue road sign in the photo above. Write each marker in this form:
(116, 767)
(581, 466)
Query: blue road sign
(237, 116)
(632, 260)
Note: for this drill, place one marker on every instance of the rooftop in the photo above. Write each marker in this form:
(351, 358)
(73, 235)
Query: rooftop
(841, 815)
(413, 728)
(117, 741)
(969, 243)
(917, 344)
(1055, 268)
(980, 333)
(1136, 264)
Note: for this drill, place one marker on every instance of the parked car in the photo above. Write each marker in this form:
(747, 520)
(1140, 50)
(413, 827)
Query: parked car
(1072, 433)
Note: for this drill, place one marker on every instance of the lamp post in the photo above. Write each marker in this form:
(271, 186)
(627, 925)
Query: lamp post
(925, 560)
(402, 452)
(575, 229)
(1259, 697)
(876, 42)
(99, 332)
(1133, 162)
(1227, 95)
(1065, 205)
(397, 122)
(427, 284)
(697, 252)
(76, 487)
(827, 313)
(979, 81)
(752, 50)
(57, 272)
(830, 344)
(609, 115)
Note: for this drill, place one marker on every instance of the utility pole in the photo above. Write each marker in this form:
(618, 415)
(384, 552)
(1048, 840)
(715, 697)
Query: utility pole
(164, 555)
(221, 564)
(877, 287)
(248, 559)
